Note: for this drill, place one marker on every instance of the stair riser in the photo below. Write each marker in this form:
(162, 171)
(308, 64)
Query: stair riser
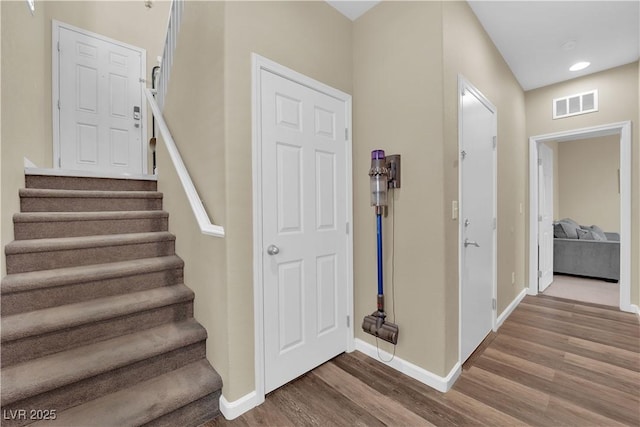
(85, 204)
(191, 415)
(55, 229)
(91, 388)
(36, 261)
(77, 183)
(38, 346)
(22, 302)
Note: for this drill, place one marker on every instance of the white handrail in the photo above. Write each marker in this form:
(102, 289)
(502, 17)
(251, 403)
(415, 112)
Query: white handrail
(205, 224)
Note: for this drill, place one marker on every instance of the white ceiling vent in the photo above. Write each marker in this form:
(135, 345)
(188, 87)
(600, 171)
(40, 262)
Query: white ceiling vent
(573, 105)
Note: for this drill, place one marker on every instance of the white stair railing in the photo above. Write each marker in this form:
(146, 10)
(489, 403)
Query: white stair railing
(173, 28)
(157, 103)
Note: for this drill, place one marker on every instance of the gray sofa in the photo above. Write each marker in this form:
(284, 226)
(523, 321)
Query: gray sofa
(594, 255)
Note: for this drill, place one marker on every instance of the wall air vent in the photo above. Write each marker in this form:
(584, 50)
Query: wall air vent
(573, 105)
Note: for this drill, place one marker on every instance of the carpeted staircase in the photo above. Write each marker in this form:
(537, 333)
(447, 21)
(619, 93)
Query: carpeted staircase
(97, 324)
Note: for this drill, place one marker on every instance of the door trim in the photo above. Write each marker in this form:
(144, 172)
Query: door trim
(624, 130)
(55, 87)
(465, 85)
(259, 63)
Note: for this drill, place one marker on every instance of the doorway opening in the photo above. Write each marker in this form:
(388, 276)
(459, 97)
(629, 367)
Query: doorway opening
(537, 253)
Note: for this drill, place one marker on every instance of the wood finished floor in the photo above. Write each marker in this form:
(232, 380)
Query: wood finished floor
(554, 362)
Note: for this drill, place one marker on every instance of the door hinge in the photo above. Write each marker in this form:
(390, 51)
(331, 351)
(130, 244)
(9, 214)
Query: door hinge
(58, 104)
(463, 154)
(347, 228)
(348, 321)
(141, 80)
(539, 162)
(346, 133)
(495, 223)
(495, 142)
(493, 303)
(539, 274)
(539, 218)
(59, 162)
(464, 91)
(58, 46)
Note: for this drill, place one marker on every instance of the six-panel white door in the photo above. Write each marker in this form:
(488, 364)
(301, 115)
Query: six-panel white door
(545, 218)
(304, 218)
(478, 128)
(99, 86)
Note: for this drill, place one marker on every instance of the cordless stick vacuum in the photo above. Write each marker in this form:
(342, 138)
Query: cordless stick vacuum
(379, 174)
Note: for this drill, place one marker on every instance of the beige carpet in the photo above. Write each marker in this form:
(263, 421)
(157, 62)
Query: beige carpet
(584, 289)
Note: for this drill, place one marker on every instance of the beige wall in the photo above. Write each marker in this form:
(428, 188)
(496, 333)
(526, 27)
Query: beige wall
(397, 106)
(26, 75)
(24, 112)
(2, 267)
(588, 181)
(194, 111)
(618, 101)
(469, 51)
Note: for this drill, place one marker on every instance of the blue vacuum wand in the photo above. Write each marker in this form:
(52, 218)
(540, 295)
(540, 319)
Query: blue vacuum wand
(379, 174)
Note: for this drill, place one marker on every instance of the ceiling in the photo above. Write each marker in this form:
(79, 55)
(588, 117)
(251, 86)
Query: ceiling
(540, 40)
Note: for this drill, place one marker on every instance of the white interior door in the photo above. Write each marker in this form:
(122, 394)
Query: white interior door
(98, 91)
(304, 228)
(477, 209)
(545, 216)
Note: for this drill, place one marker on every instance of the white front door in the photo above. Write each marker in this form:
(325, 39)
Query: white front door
(545, 216)
(100, 125)
(304, 154)
(477, 214)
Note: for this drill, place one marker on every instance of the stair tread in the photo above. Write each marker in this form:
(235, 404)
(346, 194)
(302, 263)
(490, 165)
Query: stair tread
(47, 373)
(145, 401)
(46, 320)
(26, 217)
(82, 242)
(20, 282)
(123, 194)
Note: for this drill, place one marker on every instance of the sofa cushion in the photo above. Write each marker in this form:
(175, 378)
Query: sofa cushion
(587, 234)
(558, 231)
(597, 231)
(569, 227)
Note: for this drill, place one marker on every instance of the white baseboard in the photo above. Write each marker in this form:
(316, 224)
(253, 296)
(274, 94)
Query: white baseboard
(507, 311)
(442, 384)
(231, 410)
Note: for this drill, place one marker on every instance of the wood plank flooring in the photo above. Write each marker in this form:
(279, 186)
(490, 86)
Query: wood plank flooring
(553, 362)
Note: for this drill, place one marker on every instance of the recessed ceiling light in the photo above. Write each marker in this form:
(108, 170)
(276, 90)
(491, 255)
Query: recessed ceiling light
(579, 66)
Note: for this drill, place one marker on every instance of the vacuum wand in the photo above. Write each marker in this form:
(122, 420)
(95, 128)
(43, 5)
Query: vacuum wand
(379, 174)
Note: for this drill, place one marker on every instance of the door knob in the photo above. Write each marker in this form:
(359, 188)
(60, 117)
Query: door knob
(468, 242)
(273, 250)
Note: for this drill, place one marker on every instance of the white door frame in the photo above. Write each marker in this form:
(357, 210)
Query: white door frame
(55, 87)
(624, 130)
(260, 63)
(465, 85)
